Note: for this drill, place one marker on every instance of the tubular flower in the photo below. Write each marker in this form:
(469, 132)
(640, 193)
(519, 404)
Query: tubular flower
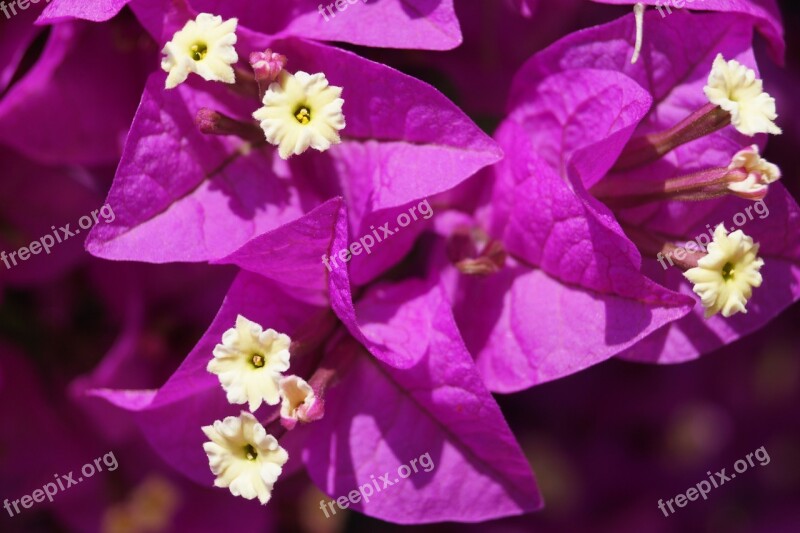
(298, 398)
(203, 46)
(249, 363)
(735, 88)
(724, 279)
(244, 457)
(301, 110)
(760, 172)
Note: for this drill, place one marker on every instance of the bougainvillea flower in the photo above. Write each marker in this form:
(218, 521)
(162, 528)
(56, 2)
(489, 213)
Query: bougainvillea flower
(389, 23)
(301, 111)
(182, 194)
(204, 46)
(765, 13)
(438, 394)
(585, 236)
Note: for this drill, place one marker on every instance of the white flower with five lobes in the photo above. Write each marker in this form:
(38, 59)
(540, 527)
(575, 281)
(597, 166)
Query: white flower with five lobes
(204, 46)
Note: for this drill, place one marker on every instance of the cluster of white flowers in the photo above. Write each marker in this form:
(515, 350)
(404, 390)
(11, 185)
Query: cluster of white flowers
(300, 110)
(724, 279)
(250, 363)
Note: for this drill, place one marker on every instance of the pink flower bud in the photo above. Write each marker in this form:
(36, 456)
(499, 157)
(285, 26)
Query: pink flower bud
(267, 65)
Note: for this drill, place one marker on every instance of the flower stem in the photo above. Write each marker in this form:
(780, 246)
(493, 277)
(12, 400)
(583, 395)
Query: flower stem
(651, 147)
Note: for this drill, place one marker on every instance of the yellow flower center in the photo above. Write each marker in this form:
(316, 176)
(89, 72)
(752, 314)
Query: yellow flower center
(257, 360)
(250, 453)
(303, 115)
(198, 51)
(728, 271)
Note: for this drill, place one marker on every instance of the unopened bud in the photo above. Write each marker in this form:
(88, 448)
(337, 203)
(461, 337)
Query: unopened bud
(267, 65)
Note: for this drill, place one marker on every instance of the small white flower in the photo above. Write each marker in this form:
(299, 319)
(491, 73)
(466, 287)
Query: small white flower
(301, 111)
(203, 46)
(760, 172)
(735, 88)
(244, 457)
(724, 279)
(249, 363)
(298, 397)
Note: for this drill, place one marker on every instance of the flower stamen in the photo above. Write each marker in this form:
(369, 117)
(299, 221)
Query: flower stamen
(303, 115)
(250, 453)
(199, 51)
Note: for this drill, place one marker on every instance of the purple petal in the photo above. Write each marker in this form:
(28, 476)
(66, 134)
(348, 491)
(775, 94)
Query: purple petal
(677, 50)
(180, 195)
(421, 24)
(774, 228)
(192, 397)
(439, 407)
(94, 10)
(291, 254)
(765, 12)
(92, 100)
(176, 205)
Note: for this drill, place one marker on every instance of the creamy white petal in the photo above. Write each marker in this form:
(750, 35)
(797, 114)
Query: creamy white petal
(760, 172)
(298, 397)
(724, 279)
(204, 46)
(244, 457)
(735, 88)
(249, 363)
(301, 111)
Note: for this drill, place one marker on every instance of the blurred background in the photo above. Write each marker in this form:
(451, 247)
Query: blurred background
(606, 444)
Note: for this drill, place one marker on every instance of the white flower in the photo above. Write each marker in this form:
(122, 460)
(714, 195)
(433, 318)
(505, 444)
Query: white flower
(301, 111)
(204, 46)
(760, 172)
(249, 363)
(298, 397)
(244, 457)
(724, 279)
(735, 88)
